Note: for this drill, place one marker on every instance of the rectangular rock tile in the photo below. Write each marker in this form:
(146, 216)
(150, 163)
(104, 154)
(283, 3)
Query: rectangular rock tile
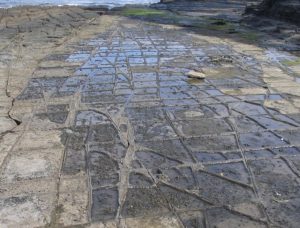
(115, 150)
(284, 213)
(101, 79)
(221, 191)
(53, 108)
(181, 178)
(58, 117)
(123, 92)
(71, 183)
(260, 140)
(192, 219)
(105, 71)
(209, 157)
(152, 130)
(252, 98)
(74, 162)
(92, 86)
(46, 185)
(104, 98)
(105, 204)
(75, 138)
(233, 170)
(33, 164)
(204, 126)
(174, 95)
(248, 108)
(64, 93)
(220, 109)
(147, 84)
(151, 76)
(52, 82)
(144, 202)
(143, 104)
(226, 99)
(279, 189)
(220, 217)
(190, 112)
(245, 124)
(74, 208)
(103, 169)
(296, 162)
(146, 113)
(212, 143)
(256, 154)
(271, 123)
(155, 161)
(157, 221)
(274, 179)
(286, 151)
(90, 118)
(182, 200)
(31, 93)
(181, 102)
(147, 90)
(292, 136)
(32, 140)
(136, 61)
(24, 210)
(103, 133)
(170, 148)
(145, 97)
(214, 92)
(140, 180)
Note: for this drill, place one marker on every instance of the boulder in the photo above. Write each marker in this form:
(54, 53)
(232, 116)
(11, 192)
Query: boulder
(282, 9)
(196, 74)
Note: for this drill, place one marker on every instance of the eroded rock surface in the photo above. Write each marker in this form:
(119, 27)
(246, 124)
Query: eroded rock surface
(114, 133)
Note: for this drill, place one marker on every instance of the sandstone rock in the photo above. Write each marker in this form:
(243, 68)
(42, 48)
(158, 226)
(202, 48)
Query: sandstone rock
(196, 74)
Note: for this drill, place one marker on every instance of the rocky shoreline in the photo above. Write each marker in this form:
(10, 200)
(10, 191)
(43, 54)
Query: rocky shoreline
(101, 125)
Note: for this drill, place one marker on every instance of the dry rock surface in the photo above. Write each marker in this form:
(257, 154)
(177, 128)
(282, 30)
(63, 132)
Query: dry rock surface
(101, 127)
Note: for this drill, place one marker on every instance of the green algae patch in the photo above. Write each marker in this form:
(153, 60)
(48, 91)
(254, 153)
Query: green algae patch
(152, 15)
(142, 12)
(294, 62)
(220, 25)
(249, 36)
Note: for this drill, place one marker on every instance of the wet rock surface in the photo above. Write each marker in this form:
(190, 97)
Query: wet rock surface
(116, 134)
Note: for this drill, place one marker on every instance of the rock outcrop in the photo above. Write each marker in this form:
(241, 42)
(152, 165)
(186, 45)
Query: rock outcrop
(281, 9)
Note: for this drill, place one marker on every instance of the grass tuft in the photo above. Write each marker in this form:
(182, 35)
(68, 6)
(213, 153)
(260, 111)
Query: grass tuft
(291, 62)
(142, 12)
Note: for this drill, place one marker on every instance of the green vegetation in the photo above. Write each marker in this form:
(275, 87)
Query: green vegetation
(220, 25)
(142, 12)
(294, 62)
(249, 36)
(206, 23)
